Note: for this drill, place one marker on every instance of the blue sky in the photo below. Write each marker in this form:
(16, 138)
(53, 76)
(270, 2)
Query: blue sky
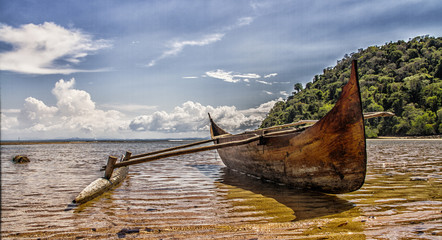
(153, 69)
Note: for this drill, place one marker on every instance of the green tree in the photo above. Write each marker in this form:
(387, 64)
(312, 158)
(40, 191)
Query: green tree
(298, 87)
(438, 72)
(402, 77)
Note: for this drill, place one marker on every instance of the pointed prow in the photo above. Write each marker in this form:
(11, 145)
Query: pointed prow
(215, 130)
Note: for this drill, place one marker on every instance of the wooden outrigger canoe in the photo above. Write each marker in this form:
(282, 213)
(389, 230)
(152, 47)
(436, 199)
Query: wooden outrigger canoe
(329, 156)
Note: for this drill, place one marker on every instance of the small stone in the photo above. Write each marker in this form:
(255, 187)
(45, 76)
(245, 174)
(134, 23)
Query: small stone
(418, 179)
(20, 159)
(124, 231)
(342, 224)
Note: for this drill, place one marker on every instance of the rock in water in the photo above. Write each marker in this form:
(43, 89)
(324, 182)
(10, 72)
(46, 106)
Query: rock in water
(20, 159)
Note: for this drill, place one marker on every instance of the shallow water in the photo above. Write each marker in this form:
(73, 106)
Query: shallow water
(195, 196)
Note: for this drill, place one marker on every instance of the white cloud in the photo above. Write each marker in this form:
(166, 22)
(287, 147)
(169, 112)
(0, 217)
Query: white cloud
(221, 74)
(129, 108)
(192, 117)
(71, 101)
(176, 47)
(247, 75)
(8, 122)
(264, 82)
(230, 77)
(243, 22)
(267, 92)
(237, 77)
(12, 110)
(74, 115)
(190, 77)
(36, 48)
(270, 75)
(34, 111)
(262, 109)
(284, 93)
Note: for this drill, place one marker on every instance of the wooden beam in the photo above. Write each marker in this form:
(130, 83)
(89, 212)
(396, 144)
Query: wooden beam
(178, 147)
(110, 167)
(301, 122)
(186, 151)
(127, 156)
(291, 124)
(378, 114)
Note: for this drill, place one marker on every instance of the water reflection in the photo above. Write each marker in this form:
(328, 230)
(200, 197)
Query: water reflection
(257, 200)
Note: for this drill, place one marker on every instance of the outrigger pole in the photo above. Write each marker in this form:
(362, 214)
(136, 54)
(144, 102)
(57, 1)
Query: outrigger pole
(170, 152)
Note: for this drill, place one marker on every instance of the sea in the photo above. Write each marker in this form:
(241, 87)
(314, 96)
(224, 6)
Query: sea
(196, 197)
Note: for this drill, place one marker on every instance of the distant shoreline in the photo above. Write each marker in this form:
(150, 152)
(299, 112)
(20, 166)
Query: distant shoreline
(423, 138)
(33, 142)
(45, 142)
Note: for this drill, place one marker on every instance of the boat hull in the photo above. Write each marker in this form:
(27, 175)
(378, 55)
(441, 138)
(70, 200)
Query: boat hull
(329, 156)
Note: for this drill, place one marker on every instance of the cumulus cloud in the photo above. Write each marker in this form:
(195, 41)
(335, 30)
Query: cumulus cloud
(7, 122)
(35, 111)
(192, 117)
(129, 108)
(72, 101)
(37, 48)
(75, 114)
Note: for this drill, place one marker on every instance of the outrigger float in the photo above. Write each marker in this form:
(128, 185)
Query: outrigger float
(326, 155)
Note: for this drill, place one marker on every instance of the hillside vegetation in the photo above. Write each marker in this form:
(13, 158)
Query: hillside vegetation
(401, 77)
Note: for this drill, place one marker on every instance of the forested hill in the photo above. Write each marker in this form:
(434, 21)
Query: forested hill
(401, 77)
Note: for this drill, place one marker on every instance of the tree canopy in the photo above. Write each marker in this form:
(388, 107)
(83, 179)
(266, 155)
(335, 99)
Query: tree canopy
(401, 77)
